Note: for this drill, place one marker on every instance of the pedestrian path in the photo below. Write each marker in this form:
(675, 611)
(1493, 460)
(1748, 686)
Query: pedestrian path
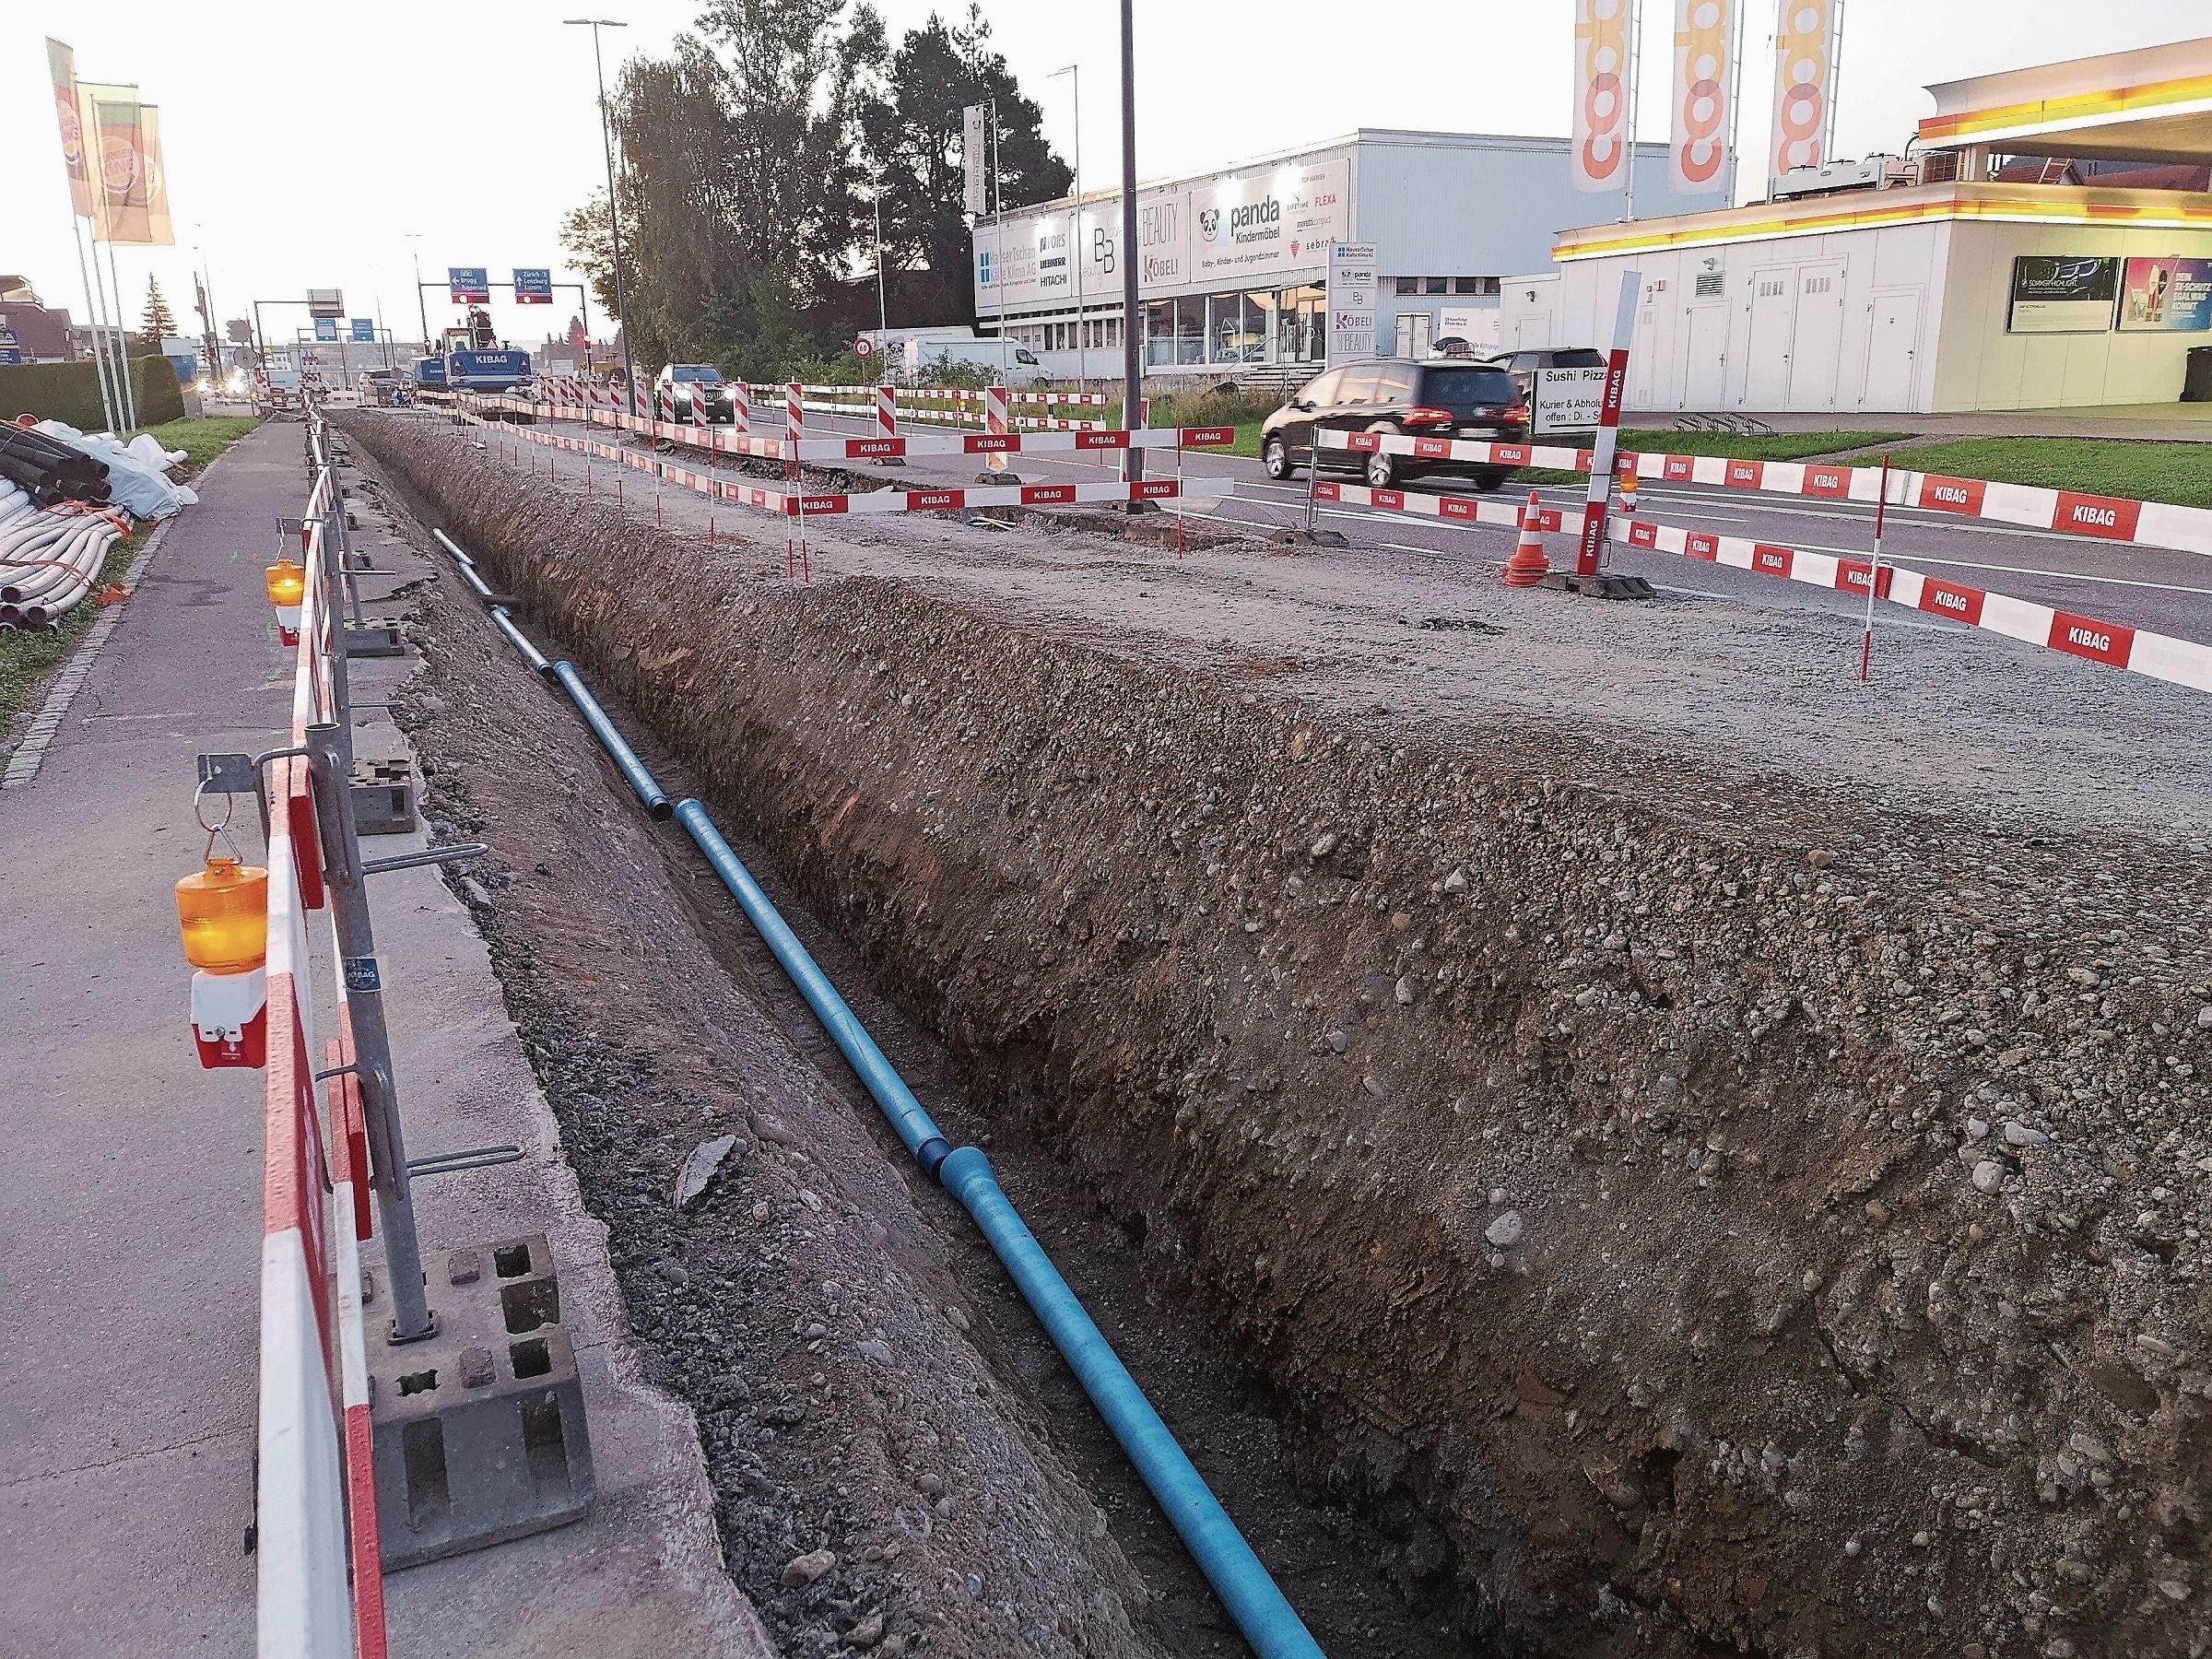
(131, 1179)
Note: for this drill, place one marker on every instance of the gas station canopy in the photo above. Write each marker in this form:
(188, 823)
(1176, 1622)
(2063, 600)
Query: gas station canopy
(2153, 105)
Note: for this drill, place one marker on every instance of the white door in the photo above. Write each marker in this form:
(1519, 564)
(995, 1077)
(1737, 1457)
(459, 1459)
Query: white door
(1892, 348)
(1531, 332)
(1415, 330)
(1643, 361)
(1816, 357)
(1706, 378)
(1773, 305)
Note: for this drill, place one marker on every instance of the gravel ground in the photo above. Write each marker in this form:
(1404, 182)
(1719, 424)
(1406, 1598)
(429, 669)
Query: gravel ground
(1953, 718)
(1745, 1194)
(901, 1459)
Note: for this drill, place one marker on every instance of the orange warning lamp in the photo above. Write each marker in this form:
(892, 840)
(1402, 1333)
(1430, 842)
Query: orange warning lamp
(287, 585)
(224, 912)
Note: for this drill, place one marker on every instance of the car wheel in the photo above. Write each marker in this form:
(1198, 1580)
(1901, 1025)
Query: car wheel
(1382, 471)
(1493, 480)
(1275, 456)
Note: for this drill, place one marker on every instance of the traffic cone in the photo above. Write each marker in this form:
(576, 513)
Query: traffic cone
(1528, 566)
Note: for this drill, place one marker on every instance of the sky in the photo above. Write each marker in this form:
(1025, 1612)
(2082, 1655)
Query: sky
(328, 147)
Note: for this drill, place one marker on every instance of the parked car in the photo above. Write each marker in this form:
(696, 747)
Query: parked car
(694, 392)
(1522, 365)
(1435, 399)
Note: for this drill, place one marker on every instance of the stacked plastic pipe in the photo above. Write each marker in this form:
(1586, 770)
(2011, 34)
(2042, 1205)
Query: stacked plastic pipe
(50, 557)
(49, 470)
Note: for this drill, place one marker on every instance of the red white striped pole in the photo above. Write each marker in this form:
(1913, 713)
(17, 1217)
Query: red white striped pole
(741, 405)
(1874, 576)
(996, 423)
(795, 410)
(1593, 545)
(886, 420)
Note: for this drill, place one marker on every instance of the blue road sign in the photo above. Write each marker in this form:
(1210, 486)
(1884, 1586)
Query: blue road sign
(364, 330)
(326, 328)
(533, 285)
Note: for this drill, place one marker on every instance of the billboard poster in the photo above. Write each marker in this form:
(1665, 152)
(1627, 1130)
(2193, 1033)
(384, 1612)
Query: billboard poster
(2168, 295)
(1352, 287)
(468, 283)
(119, 172)
(1163, 239)
(533, 285)
(1805, 74)
(1568, 400)
(1605, 31)
(972, 159)
(1262, 224)
(1700, 98)
(2061, 294)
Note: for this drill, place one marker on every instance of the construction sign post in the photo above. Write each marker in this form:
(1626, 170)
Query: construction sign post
(1593, 543)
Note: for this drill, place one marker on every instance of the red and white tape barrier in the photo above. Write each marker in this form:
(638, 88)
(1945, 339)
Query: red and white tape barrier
(2179, 662)
(2070, 512)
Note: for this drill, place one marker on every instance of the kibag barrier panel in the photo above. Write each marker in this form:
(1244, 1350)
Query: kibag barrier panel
(319, 1592)
(2022, 506)
(2161, 656)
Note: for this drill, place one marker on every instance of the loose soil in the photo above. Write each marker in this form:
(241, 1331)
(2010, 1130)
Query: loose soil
(1682, 1208)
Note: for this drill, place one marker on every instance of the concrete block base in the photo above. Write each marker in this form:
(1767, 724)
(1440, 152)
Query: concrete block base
(379, 636)
(478, 1430)
(384, 797)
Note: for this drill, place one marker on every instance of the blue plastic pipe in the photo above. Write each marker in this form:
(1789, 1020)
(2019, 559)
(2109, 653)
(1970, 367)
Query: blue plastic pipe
(914, 1126)
(1269, 1624)
(1265, 1617)
(503, 621)
(649, 794)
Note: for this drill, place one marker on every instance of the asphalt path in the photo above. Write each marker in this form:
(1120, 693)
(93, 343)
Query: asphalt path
(2165, 590)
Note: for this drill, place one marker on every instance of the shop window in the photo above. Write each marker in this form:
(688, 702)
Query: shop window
(1408, 285)
(1434, 285)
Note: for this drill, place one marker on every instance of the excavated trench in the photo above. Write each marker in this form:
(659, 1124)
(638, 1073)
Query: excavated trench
(1684, 1210)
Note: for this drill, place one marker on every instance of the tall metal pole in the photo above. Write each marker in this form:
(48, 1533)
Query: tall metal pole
(1133, 329)
(1082, 253)
(613, 211)
(100, 355)
(421, 311)
(883, 315)
(123, 332)
(998, 242)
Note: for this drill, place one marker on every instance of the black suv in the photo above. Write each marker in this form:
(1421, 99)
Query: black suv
(695, 392)
(1522, 365)
(1443, 399)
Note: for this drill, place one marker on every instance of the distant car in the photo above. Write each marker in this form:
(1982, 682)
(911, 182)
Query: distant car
(1522, 365)
(1434, 399)
(694, 392)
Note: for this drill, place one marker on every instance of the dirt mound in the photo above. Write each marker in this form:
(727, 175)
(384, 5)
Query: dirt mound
(1684, 1208)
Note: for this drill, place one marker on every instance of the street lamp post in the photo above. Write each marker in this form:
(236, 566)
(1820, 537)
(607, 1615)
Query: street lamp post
(614, 212)
(1075, 81)
(1133, 331)
(422, 312)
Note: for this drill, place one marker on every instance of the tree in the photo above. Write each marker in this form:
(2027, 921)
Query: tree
(155, 325)
(915, 138)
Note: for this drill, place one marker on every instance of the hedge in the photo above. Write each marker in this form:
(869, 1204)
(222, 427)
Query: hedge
(70, 392)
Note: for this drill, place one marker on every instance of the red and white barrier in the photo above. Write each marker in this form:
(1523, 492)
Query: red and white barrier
(320, 1590)
(2179, 662)
(1452, 509)
(887, 411)
(2069, 513)
(795, 410)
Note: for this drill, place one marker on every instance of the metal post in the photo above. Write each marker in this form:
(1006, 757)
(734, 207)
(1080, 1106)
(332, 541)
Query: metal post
(100, 356)
(1133, 372)
(998, 242)
(613, 211)
(421, 311)
(123, 329)
(1082, 253)
(883, 315)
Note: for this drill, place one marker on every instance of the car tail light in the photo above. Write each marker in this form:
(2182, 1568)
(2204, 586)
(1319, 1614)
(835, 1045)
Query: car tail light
(1426, 418)
(1518, 415)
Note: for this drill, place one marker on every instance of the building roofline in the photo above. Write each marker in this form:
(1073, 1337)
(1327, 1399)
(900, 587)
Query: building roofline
(1864, 209)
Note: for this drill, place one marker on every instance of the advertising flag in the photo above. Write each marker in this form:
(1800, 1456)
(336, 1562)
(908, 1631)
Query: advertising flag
(533, 285)
(972, 153)
(469, 284)
(1804, 82)
(118, 163)
(157, 229)
(1703, 92)
(1605, 31)
(61, 62)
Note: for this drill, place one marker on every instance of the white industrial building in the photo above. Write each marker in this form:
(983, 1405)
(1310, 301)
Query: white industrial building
(2049, 244)
(1232, 264)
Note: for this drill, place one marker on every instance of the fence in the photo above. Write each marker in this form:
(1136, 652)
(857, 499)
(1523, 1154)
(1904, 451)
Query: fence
(320, 1593)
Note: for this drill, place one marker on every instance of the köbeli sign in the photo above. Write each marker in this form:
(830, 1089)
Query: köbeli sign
(1352, 298)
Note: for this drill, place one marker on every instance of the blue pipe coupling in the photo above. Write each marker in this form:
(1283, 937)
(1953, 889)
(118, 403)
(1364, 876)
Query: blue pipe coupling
(651, 796)
(914, 1126)
(1267, 1620)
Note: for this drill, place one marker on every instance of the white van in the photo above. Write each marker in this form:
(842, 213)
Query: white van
(1007, 361)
